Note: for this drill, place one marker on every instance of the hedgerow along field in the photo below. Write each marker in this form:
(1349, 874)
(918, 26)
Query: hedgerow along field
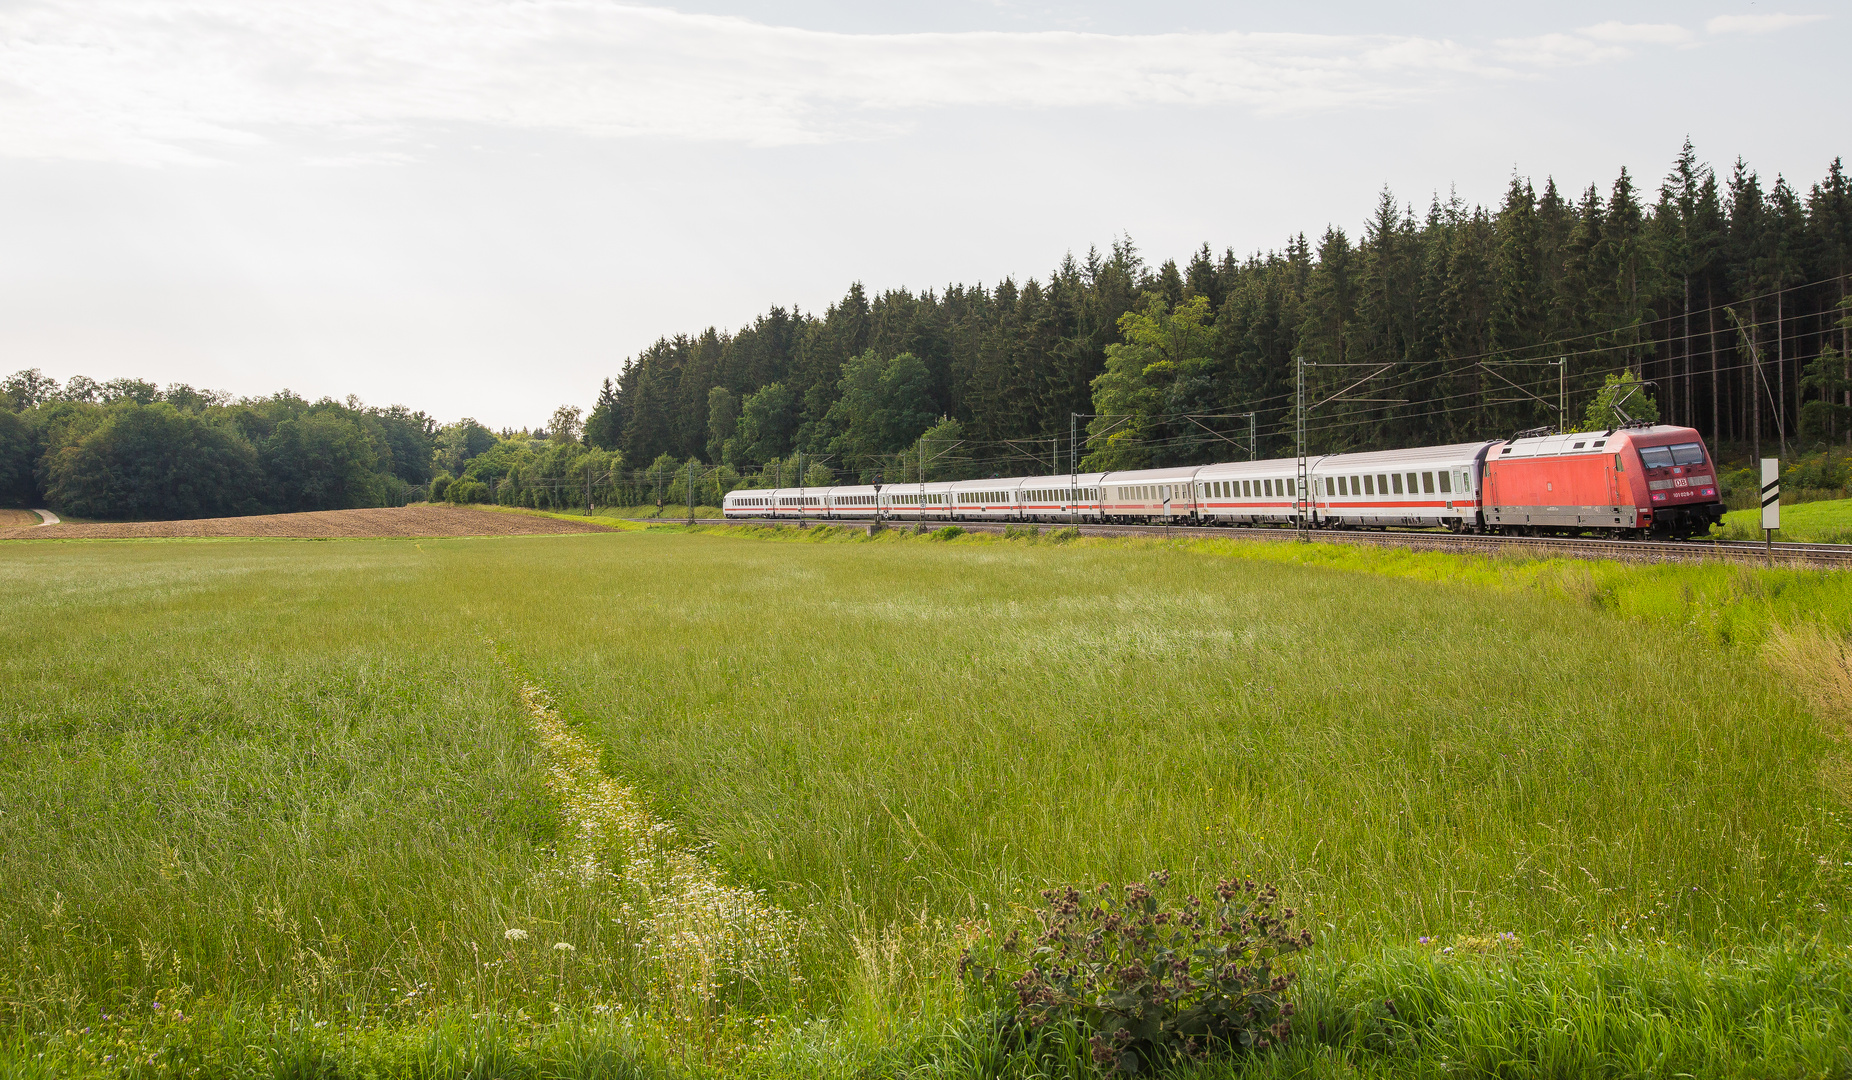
(673, 803)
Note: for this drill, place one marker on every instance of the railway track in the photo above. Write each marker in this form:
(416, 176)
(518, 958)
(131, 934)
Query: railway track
(1817, 556)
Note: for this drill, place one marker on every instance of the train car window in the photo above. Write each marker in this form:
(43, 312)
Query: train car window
(1446, 483)
(1382, 484)
(1427, 483)
(1369, 484)
(1413, 483)
(1619, 466)
(1656, 457)
(1397, 479)
(1688, 454)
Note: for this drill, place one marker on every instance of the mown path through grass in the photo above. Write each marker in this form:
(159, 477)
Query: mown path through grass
(275, 786)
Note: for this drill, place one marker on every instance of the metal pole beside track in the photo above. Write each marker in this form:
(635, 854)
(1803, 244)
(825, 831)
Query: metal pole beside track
(1562, 393)
(1299, 521)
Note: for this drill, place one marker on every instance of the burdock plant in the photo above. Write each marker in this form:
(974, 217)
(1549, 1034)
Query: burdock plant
(1150, 981)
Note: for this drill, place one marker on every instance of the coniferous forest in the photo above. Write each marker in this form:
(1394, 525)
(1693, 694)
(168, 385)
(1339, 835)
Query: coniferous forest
(1725, 290)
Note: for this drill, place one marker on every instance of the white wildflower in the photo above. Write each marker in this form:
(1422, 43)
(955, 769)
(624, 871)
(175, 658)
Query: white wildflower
(515, 934)
(701, 931)
(564, 946)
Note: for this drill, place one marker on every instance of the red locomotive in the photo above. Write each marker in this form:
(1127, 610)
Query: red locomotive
(1636, 480)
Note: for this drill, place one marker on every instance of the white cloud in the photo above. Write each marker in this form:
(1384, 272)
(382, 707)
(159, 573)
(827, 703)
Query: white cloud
(1640, 33)
(191, 80)
(1757, 24)
(1598, 44)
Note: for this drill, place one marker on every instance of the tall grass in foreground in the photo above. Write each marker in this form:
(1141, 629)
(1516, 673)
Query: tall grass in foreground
(287, 792)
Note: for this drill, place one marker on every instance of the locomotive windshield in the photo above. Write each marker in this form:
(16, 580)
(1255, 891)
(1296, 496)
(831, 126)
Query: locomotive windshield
(1687, 454)
(1656, 457)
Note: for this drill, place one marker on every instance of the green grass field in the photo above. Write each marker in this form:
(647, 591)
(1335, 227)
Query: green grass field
(1826, 522)
(282, 809)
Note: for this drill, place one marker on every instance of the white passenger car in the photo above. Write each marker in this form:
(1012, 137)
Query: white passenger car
(1060, 499)
(786, 503)
(1142, 495)
(984, 500)
(1423, 487)
(916, 501)
(859, 502)
(1248, 492)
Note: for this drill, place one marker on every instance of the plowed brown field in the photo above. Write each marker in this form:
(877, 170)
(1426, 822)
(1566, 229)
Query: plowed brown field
(405, 521)
(18, 519)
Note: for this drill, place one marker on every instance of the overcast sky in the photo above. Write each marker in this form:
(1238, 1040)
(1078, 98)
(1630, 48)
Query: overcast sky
(483, 207)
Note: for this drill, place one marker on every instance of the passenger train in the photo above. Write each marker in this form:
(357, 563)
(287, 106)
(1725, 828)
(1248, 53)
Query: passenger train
(1633, 481)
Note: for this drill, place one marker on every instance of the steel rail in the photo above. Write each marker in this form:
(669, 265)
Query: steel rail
(1823, 556)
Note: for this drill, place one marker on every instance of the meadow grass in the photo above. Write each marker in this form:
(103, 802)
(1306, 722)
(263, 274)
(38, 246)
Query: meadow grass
(297, 795)
(1826, 522)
